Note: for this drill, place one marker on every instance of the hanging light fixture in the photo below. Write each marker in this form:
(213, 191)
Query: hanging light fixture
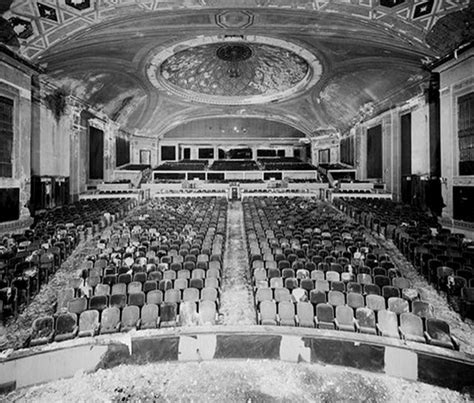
(234, 54)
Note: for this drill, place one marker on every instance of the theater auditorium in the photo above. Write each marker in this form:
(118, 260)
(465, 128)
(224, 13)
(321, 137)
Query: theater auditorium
(237, 200)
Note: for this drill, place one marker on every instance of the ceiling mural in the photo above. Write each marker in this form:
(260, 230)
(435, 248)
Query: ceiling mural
(318, 61)
(235, 69)
(238, 70)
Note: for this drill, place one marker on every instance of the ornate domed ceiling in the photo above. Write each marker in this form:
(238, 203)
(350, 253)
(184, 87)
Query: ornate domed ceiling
(234, 69)
(242, 70)
(118, 55)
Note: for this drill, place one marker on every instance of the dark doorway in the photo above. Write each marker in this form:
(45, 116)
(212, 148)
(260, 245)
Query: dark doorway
(374, 152)
(96, 153)
(186, 153)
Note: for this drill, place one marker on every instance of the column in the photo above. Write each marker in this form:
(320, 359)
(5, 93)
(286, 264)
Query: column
(447, 150)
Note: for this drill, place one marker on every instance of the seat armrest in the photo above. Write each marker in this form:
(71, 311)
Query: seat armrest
(139, 323)
(158, 321)
(455, 342)
(277, 318)
(379, 330)
(402, 333)
(428, 337)
(259, 317)
(336, 323)
(357, 327)
(297, 320)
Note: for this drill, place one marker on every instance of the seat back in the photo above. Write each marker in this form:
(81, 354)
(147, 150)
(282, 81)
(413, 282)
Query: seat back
(305, 312)
(98, 302)
(325, 313)
(130, 316)
(66, 323)
(366, 318)
(77, 305)
(355, 300)
(110, 320)
(282, 294)
(336, 298)
(398, 305)
(423, 309)
(118, 300)
(388, 323)
(207, 312)
(286, 310)
(154, 297)
(411, 324)
(344, 315)
(268, 311)
(191, 295)
(375, 302)
(89, 321)
(172, 295)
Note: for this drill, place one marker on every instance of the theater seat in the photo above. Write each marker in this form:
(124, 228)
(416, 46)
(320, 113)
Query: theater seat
(130, 318)
(168, 314)
(66, 326)
(324, 316)
(345, 319)
(387, 324)
(286, 313)
(305, 314)
(89, 323)
(149, 318)
(267, 314)
(411, 327)
(438, 334)
(42, 331)
(207, 312)
(366, 319)
(110, 322)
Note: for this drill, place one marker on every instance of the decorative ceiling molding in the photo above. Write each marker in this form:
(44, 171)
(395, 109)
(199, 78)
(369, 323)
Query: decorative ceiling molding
(41, 24)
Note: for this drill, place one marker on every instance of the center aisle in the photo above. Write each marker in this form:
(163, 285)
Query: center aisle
(237, 303)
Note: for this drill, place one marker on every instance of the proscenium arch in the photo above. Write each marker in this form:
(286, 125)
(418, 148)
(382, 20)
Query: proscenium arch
(273, 118)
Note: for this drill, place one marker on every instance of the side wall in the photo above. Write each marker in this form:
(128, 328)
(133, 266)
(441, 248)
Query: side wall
(456, 80)
(390, 122)
(15, 84)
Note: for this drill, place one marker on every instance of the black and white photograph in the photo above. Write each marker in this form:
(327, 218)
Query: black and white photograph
(243, 201)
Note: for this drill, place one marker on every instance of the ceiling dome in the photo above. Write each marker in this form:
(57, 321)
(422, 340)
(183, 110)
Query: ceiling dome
(254, 70)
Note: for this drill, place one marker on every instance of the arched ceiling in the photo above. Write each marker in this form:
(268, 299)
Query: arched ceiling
(372, 52)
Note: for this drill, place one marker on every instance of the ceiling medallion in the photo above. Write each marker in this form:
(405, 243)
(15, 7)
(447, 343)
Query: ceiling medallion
(234, 71)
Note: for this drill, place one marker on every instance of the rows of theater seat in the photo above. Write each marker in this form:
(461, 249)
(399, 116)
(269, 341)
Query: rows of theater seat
(313, 269)
(446, 260)
(284, 164)
(162, 268)
(29, 259)
(184, 165)
(234, 165)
